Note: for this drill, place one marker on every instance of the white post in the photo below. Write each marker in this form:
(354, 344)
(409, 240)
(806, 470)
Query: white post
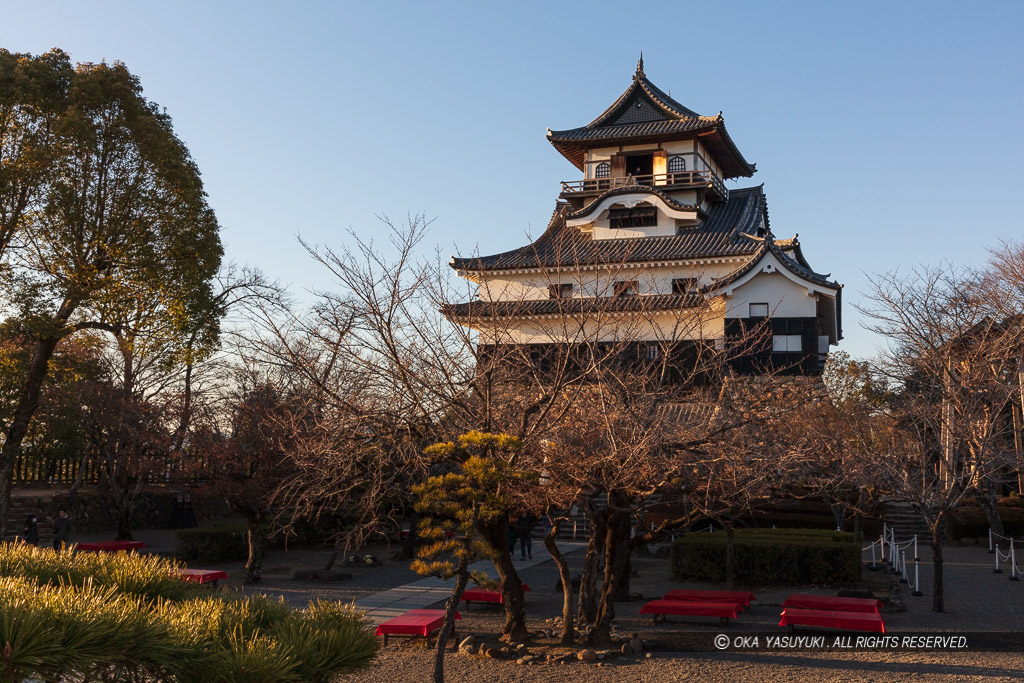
(997, 570)
(881, 544)
(915, 547)
(894, 553)
(903, 569)
(574, 523)
(990, 540)
(1013, 563)
(873, 567)
(917, 581)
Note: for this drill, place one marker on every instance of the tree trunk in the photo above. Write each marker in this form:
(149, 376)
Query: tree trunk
(938, 604)
(495, 533)
(730, 556)
(587, 610)
(858, 529)
(988, 500)
(837, 512)
(616, 566)
(461, 578)
(568, 631)
(28, 401)
(124, 521)
(254, 564)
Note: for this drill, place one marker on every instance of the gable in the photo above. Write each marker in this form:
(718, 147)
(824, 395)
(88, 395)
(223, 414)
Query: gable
(637, 109)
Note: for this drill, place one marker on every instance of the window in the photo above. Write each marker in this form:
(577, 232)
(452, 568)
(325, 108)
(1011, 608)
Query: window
(758, 310)
(626, 288)
(787, 343)
(603, 170)
(644, 216)
(676, 164)
(653, 352)
(684, 285)
(559, 291)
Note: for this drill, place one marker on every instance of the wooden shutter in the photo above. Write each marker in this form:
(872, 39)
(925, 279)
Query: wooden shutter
(660, 167)
(618, 166)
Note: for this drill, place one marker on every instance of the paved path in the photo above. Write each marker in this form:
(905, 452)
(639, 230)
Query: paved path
(425, 592)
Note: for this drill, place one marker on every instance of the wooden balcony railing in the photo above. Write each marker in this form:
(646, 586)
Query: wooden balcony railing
(658, 180)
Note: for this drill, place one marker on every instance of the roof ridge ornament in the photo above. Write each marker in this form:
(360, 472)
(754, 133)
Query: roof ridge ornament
(640, 67)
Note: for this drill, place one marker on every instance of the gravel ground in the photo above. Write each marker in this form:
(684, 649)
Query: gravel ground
(976, 600)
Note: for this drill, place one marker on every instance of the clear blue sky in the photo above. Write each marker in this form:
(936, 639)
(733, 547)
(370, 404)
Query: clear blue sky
(887, 134)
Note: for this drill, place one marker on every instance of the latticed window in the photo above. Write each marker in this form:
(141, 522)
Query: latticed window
(676, 164)
(603, 170)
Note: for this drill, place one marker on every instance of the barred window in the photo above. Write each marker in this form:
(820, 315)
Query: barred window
(638, 217)
(626, 288)
(684, 285)
(559, 291)
(603, 170)
(676, 164)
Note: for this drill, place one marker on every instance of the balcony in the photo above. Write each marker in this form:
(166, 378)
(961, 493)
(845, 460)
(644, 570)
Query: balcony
(661, 181)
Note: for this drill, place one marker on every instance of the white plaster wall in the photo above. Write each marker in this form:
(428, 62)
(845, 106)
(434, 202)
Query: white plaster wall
(784, 297)
(651, 279)
(663, 326)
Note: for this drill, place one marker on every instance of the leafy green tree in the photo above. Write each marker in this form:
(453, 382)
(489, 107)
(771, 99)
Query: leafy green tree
(102, 208)
(454, 507)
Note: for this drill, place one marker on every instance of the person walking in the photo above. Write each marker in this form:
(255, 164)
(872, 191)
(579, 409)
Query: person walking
(525, 525)
(30, 534)
(61, 529)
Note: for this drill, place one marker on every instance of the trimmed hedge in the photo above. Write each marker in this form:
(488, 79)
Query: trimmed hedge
(213, 544)
(767, 557)
(969, 521)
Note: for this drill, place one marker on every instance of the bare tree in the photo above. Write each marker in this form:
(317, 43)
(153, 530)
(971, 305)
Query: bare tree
(954, 361)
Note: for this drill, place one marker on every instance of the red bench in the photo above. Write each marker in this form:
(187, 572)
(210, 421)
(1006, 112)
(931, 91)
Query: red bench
(109, 546)
(742, 598)
(415, 622)
(848, 621)
(868, 605)
(486, 595)
(201, 575)
(662, 608)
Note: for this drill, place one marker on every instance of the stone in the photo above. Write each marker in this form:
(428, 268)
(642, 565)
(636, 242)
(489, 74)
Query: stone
(467, 641)
(332, 575)
(493, 653)
(627, 649)
(305, 575)
(601, 656)
(521, 649)
(636, 645)
(649, 655)
(587, 656)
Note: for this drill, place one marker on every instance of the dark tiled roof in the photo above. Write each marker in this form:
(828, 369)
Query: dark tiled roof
(768, 244)
(643, 112)
(726, 231)
(574, 306)
(632, 189)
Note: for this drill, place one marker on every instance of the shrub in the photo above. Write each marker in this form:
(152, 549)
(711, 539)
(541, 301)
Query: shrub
(58, 621)
(770, 557)
(146, 576)
(213, 544)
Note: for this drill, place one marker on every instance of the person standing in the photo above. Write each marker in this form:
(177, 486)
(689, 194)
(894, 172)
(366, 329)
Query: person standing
(525, 525)
(30, 534)
(61, 529)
